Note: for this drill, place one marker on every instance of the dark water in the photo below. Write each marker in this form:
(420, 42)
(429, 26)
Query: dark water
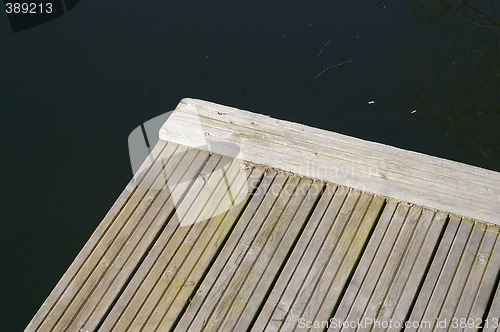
(73, 89)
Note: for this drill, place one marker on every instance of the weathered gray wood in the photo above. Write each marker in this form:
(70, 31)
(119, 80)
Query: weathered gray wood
(493, 318)
(234, 249)
(150, 310)
(312, 150)
(458, 276)
(131, 253)
(188, 246)
(174, 236)
(376, 265)
(479, 262)
(347, 233)
(237, 271)
(168, 287)
(299, 262)
(259, 279)
(417, 178)
(309, 292)
(106, 225)
(379, 307)
(354, 245)
(413, 280)
(487, 285)
(397, 268)
(199, 267)
(366, 261)
(445, 263)
(106, 251)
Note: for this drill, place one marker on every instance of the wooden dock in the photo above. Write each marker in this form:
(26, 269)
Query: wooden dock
(238, 221)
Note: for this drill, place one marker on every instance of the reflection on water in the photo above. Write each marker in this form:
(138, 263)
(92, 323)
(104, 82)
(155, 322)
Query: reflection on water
(455, 54)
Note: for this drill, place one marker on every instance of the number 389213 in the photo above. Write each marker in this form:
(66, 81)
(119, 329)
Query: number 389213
(28, 8)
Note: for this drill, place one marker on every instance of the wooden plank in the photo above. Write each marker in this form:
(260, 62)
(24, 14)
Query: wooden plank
(492, 322)
(220, 307)
(106, 269)
(312, 150)
(428, 181)
(299, 262)
(141, 279)
(241, 118)
(232, 249)
(475, 277)
(355, 247)
(153, 310)
(397, 283)
(209, 252)
(292, 308)
(130, 255)
(440, 275)
(347, 234)
(458, 276)
(410, 284)
(487, 285)
(378, 307)
(111, 273)
(367, 177)
(68, 301)
(107, 223)
(366, 261)
(373, 268)
(266, 268)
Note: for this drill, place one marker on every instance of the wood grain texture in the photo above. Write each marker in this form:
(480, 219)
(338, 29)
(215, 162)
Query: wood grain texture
(243, 222)
(428, 181)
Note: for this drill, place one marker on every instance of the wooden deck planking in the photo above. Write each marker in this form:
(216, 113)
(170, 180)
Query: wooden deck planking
(447, 290)
(96, 254)
(363, 285)
(350, 247)
(259, 283)
(398, 255)
(109, 278)
(114, 247)
(309, 291)
(478, 262)
(493, 317)
(205, 241)
(291, 277)
(174, 258)
(365, 264)
(164, 308)
(273, 231)
(108, 221)
(414, 279)
(487, 286)
(213, 247)
(424, 191)
(172, 235)
(140, 238)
